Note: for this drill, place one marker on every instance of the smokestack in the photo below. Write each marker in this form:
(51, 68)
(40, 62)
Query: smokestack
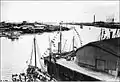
(94, 19)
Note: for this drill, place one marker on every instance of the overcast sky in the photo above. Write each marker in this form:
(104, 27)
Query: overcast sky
(56, 11)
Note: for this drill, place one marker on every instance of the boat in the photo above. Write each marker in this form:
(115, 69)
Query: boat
(90, 62)
(33, 72)
(95, 61)
(13, 35)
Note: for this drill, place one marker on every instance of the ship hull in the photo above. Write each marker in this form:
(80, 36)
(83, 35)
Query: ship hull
(62, 73)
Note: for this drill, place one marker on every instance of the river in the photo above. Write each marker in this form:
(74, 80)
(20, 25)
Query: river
(15, 54)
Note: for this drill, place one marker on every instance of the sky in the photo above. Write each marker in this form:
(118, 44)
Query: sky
(49, 11)
(56, 11)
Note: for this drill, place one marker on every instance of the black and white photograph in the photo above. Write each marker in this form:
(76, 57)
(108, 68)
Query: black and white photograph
(59, 40)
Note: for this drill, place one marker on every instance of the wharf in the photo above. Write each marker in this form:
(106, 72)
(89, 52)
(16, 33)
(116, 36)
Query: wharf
(98, 75)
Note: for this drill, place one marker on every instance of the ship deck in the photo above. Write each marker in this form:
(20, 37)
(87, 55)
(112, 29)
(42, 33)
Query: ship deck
(98, 75)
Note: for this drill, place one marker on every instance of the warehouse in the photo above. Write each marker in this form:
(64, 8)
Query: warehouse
(101, 56)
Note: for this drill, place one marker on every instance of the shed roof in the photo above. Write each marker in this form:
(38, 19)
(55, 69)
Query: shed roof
(111, 46)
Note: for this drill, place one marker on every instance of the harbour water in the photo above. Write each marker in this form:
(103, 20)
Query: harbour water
(16, 54)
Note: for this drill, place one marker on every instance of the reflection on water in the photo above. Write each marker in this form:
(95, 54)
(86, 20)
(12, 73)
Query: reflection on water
(14, 54)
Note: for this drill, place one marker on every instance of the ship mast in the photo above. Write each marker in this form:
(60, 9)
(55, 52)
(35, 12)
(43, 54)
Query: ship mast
(73, 42)
(60, 39)
(50, 48)
(35, 52)
(60, 42)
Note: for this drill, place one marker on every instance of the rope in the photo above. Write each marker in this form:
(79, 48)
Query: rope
(31, 55)
(70, 47)
(64, 44)
(75, 44)
(54, 38)
(78, 36)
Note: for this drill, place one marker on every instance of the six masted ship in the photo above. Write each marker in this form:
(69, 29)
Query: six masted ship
(95, 61)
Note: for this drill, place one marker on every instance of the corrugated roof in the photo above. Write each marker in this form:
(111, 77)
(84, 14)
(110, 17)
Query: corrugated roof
(111, 46)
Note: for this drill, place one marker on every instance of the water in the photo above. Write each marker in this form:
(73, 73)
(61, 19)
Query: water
(14, 54)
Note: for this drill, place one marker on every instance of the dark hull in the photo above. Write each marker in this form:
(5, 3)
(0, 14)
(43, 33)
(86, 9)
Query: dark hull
(62, 73)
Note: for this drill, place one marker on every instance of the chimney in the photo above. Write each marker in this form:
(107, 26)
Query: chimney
(94, 19)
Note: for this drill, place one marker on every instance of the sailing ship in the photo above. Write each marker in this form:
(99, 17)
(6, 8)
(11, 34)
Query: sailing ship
(33, 72)
(95, 61)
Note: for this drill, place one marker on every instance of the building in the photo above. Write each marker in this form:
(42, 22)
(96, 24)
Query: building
(101, 56)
